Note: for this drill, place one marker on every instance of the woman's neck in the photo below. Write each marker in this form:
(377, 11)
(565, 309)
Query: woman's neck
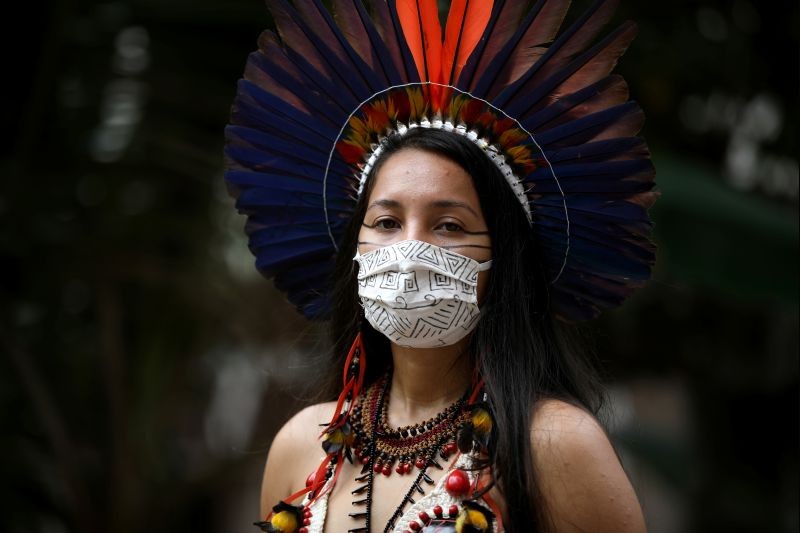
(426, 380)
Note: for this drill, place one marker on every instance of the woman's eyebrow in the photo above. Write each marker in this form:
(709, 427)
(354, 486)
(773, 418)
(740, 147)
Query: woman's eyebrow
(440, 204)
(454, 203)
(384, 203)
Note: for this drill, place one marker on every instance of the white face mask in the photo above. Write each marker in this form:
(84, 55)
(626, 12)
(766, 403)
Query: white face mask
(418, 294)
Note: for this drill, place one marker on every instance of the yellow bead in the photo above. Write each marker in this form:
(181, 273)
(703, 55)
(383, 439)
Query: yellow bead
(284, 521)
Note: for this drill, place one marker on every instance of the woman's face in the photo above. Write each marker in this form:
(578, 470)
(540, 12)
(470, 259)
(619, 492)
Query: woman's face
(423, 196)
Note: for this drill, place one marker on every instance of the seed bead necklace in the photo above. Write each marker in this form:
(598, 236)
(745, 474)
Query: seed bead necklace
(378, 448)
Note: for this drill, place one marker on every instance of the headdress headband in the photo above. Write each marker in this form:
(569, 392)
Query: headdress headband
(317, 101)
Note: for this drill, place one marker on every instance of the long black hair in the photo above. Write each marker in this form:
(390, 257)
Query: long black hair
(521, 353)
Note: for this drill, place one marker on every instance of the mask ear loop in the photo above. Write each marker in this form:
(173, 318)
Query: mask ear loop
(486, 265)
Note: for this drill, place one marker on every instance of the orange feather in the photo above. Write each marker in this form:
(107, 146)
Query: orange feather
(423, 32)
(466, 24)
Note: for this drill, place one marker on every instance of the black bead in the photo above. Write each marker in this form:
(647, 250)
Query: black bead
(361, 489)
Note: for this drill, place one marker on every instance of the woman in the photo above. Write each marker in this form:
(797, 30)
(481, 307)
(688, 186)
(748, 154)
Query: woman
(554, 462)
(458, 236)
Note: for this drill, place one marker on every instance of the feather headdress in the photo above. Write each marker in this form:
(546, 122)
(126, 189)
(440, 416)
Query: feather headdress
(318, 97)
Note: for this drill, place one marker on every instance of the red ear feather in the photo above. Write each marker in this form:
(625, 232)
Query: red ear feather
(466, 24)
(423, 32)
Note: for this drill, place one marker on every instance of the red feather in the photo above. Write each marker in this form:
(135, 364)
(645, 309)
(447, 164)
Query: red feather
(423, 32)
(351, 153)
(466, 24)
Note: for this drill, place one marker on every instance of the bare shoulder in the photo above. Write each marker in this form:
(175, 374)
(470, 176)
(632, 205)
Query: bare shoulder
(294, 453)
(582, 480)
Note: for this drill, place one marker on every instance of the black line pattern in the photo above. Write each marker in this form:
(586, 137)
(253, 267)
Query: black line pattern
(419, 294)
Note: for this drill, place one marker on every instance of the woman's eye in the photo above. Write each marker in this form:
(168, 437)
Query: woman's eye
(450, 227)
(386, 223)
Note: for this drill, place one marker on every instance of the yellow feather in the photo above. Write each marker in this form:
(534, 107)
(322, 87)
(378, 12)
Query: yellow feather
(482, 421)
(471, 517)
(477, 519)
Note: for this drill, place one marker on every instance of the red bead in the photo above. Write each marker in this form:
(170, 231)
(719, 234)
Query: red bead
(438, 511)
(365, 460)
(387, 470)
(307, 513)
(425, 517)
(306, 521)
(377, 468)
(420, 463)
(457, 483)
(310, 478)
(302, 530)
(451, 447)
(414, 526)
(453, 511)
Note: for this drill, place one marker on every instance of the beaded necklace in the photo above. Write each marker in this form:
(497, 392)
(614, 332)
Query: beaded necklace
(378, 448)
(360, 424)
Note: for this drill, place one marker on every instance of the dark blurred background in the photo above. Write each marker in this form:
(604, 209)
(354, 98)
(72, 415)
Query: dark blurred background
(144, 365)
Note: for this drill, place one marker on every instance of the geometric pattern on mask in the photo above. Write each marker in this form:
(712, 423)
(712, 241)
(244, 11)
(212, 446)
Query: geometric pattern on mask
(441, 260)
(445, 323)
(418, 294)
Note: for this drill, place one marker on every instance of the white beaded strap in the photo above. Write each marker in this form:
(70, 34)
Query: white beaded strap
(491, 151)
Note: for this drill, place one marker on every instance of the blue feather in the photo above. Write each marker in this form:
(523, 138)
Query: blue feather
(602, 56)
(561, 51)
(353, 18)
(323, 94)
(256, 107)
(333, 56)
(587, 128)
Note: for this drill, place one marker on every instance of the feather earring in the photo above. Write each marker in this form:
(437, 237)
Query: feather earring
(355, 366)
